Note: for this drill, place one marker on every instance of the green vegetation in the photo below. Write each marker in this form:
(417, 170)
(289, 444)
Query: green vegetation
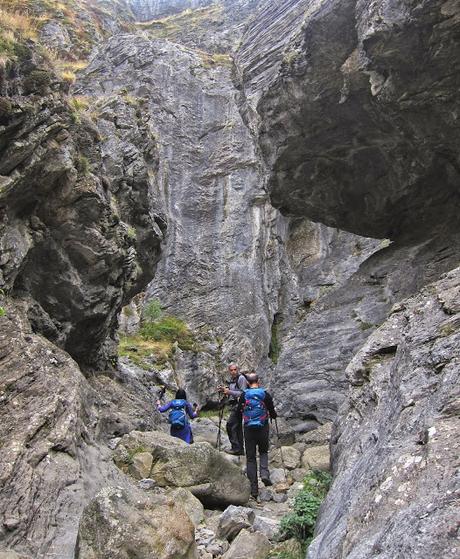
(188, 22)
(300, 523)
(37, 81)
(153, 310)
(2, 311)
(145, 353)
(168, 329)
(157, 339)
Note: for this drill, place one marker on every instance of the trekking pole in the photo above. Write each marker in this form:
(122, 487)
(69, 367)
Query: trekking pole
(221, 416)
(280, 449)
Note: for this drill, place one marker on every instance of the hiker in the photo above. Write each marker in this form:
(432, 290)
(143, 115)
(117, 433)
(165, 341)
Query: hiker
(256, 406)
(179, 410)
(236, 386)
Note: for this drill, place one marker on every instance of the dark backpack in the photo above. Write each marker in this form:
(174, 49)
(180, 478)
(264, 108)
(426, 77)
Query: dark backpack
(255, 414)
(178, 414)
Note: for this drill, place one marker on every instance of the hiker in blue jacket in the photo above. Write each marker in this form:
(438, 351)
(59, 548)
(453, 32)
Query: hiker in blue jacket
(256, 406)
(179, 409)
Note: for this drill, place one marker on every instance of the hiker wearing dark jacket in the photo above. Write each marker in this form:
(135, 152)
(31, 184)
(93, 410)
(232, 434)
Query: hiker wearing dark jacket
(179, 412)
(236, 386)
(256, 406)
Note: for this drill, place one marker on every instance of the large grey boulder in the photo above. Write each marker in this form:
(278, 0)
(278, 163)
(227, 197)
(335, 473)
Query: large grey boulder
(198, 467)
(120, 524)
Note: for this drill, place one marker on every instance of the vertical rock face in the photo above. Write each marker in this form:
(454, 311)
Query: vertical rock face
(144, 10)
(76, 234)
(219, 264)
(396, 442)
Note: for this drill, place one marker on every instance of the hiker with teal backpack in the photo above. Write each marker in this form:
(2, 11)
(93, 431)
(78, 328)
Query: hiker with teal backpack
(256, 406)
(179, 413)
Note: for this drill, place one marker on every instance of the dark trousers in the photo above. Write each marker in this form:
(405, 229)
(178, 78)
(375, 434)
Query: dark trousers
(235, 430)
(254, 438)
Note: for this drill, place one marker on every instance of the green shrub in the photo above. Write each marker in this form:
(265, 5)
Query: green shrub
(168, 328)
(2, 311)
(300, 523)
(152, 311)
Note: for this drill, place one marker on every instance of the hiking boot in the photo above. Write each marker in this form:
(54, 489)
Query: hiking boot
(235, 452)
(255, 497)
(267, 481)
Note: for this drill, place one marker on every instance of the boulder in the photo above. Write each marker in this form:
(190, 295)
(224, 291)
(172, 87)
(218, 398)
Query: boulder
(120, 524)
(198, 467)
(269, 527)
(233, 520)
(298, 474)
(317, 458)
(277, 475)
(248, 545)
(141, 465)
(189, 503)
(290, 455)
(205, 430)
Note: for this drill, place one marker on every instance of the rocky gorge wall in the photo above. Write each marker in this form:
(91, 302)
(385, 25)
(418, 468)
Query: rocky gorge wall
(358, 125)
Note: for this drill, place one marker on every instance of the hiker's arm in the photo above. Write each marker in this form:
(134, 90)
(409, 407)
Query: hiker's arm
(190, 411)
(242, 384)
(270, 406)
(163, 408)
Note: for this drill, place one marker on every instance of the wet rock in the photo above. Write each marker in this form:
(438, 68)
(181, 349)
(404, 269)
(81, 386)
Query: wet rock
(198, 467)
(118, 521)
(247, 544)
(233, 520)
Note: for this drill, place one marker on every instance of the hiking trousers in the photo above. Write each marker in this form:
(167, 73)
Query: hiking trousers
(257, 438)
(235, 429)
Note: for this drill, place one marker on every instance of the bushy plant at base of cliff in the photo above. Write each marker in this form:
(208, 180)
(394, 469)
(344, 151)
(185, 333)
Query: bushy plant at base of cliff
(152, 310)
(2, 311)
(168, 328)
(300, 523)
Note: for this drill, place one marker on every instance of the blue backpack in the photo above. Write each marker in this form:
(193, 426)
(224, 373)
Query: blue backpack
(255, 414)
(178, 414)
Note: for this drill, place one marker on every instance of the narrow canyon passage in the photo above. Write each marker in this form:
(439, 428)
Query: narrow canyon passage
(186, 184)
